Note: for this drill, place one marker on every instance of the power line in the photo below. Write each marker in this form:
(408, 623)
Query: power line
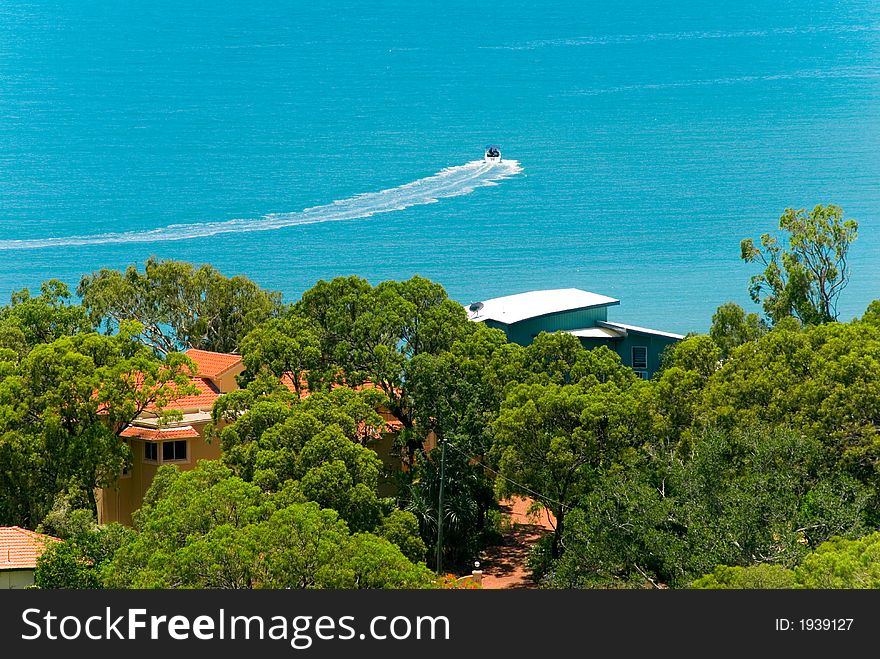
(509, 480)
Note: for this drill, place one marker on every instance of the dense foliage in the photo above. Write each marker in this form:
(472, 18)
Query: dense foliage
(838, 563)
(207, 528)
(177, 305)
(62, 405)
(751, 459)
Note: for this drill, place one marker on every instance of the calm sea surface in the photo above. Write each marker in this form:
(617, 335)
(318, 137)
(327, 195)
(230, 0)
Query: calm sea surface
(651, 137)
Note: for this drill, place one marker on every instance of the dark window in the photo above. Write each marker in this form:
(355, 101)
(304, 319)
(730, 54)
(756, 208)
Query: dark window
(640, 358)
(174, 450)
(151, 451)
(642, 374)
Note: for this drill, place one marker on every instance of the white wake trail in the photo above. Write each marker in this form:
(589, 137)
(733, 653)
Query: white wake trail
(449, 182)
(616, 39)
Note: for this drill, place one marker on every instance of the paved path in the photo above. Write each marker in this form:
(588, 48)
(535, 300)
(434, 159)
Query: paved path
(504, 566)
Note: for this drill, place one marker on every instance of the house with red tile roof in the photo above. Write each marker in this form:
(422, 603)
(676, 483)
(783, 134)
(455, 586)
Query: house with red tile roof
(19, 551)
(155, 440)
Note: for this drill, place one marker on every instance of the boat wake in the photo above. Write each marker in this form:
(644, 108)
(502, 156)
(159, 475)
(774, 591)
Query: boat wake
(449, 182)
(813, 74)
(615, 39)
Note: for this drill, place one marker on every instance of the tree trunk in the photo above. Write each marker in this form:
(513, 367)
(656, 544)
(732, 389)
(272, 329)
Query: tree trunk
(93, 501)
(556, 549)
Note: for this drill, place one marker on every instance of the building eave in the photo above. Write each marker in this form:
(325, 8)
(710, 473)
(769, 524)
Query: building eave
(639, 330)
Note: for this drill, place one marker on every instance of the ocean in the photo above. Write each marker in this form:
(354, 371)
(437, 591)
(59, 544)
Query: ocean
(292, 141)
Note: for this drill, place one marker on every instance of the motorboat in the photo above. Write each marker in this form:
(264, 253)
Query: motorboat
(493, 154)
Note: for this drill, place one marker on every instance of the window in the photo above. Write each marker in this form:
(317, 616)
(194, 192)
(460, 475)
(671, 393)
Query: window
(642, 374)
(174, 450)
(151, 452)
(640, 358)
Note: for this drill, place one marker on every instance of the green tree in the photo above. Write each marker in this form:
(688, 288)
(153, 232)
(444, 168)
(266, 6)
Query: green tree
(458, 392)
(78, 560)
(760, 576)
(739, 498)
(372, 333)
(806, 279)
(467, 497)
(400, 527)
(553, 441)
(286, 347)
(822, 380)
(842, 563)
(456, 395)
(61, 411)
(761, 495)
(837, 563)
(63, 566)
(697, 353)
(554, 355)
(674, 403)
(206, 528)
(732, 327)
(178, 306)
(319, 442)
(29, 321)
(625, 533)
(872, 314)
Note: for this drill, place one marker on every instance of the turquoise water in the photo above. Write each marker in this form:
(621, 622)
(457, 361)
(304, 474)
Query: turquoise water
(649, 138)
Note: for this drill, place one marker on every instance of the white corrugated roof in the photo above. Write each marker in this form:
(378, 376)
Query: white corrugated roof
(596, 333)
(636, 328)
(515, 308)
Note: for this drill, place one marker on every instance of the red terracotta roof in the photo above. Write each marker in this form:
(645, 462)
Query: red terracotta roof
(203, 400)
(212, 364)
(287, 381)
(19, 548)
(394, 424)
(159, 434)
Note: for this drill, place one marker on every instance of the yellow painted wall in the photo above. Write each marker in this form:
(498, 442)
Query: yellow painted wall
(226, 382)
(384, 448)
(117, 503)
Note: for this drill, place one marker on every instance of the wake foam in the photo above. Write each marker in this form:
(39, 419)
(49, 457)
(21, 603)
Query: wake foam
(615, 39)
(449, 182)
(839, 73)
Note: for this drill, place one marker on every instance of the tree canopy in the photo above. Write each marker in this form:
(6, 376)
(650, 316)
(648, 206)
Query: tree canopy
(62, 407)
(178, 305)
(372, 333)
(555, 440)
(28, 321)
(207, 528)
(750, 459)
(837, 563)
(805, 280)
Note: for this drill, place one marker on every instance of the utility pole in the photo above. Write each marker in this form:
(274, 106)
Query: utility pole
(440, 506)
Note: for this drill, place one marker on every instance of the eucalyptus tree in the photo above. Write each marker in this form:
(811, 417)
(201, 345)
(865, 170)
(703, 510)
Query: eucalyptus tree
(805, 279)
(62, 408)
(178, 305)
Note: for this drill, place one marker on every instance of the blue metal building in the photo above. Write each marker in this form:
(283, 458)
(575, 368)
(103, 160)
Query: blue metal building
(581, 313)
